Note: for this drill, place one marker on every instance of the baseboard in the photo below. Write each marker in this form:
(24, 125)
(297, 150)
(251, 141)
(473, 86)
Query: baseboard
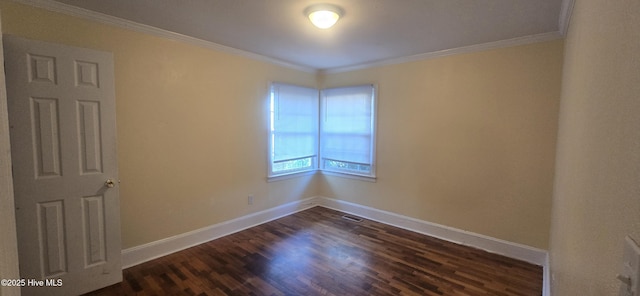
(143, 253)
(490, 244)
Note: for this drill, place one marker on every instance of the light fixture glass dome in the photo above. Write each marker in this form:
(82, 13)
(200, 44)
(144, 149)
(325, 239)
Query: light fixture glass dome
(323, 16)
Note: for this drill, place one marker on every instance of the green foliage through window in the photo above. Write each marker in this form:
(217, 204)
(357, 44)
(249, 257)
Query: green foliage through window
(348, 166)
(292, 165)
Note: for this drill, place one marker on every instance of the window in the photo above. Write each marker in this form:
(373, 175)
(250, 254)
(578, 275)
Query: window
(333, 132)
(293, 139)
(347, 134)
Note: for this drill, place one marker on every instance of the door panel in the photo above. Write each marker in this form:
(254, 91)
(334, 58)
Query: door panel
(93, 224)
(44, 114)
(61, 103)
(90, 140)
(51, 229)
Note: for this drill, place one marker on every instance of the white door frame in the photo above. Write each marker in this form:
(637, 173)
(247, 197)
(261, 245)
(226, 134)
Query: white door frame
(9, 243)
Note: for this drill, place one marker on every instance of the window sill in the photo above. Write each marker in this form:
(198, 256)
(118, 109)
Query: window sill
(290, 176)
(350, 176)
(327, 173)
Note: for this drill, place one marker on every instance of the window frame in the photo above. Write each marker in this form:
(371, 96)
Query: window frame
(371, 176)
(317, 159)
(271, 175)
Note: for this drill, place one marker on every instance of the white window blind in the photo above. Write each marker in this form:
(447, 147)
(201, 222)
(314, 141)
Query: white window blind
(347, 130)
(293, 129)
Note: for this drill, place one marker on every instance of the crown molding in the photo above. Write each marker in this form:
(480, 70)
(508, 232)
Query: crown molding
(453, 51)
(565, 16)
(141, 28)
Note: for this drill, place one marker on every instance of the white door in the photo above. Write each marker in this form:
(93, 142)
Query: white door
(61, 103)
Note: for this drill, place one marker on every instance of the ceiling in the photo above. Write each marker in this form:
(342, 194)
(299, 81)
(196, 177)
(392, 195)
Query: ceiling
(370, 31)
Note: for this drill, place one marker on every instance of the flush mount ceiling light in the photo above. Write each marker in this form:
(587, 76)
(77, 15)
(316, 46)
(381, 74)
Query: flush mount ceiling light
(323, 16)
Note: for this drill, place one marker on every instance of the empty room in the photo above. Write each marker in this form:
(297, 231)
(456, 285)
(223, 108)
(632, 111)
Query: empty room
(235, 147)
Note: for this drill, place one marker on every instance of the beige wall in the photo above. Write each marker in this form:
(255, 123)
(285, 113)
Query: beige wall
(8, 243)
(192, 125)
(467, 141)
(597, 194)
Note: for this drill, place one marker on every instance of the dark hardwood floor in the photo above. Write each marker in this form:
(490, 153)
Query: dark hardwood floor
(316, 252)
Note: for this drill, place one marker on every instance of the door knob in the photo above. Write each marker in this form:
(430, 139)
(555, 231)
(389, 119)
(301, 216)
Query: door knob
(110, 183)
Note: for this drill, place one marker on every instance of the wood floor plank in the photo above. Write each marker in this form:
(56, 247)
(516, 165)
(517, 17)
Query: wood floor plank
(317, 252)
